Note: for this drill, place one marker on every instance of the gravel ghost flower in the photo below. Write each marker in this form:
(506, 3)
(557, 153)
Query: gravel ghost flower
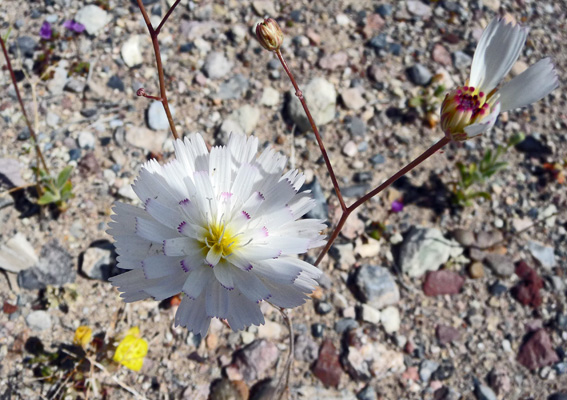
(471, 110)
(222, 227)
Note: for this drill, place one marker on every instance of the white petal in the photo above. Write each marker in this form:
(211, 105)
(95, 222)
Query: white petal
(131, 284)
(286, 296)
(288, 245)
(243, 181)
(242, 312)
(223, 273)
(301, 204)
(485, 124)
(242, 149)
(250, 285)
(214, 255)
(216, 300)
(165, 287)
(277, 196)
(160, 266)
(152, 184)
(192, 315)
(197, 280)
(193, 153)
(496, 53)
(153, 231)
(530, 86)
(168, 216)
(206, 198)
(274, 271)
(179, 246)
(220, 169)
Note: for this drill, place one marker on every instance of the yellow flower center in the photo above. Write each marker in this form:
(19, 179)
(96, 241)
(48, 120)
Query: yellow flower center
(219, 241)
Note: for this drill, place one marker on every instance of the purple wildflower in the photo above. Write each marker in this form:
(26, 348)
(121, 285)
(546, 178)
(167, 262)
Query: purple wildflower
(73, 26)
(45, 31)
(397, 206)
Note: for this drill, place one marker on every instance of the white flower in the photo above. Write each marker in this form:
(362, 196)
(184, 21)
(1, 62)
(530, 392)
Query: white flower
(471, 110)
(222, 227)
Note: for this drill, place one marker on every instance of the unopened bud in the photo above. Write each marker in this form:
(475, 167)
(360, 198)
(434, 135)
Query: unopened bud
(269, 34)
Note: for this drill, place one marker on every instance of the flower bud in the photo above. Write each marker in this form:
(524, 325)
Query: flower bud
(269, 34)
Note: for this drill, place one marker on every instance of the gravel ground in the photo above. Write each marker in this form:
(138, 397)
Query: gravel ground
(440, 307)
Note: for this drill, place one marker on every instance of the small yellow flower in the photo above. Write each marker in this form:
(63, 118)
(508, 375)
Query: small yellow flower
(83, 336)
(131, 350)
(269, 34)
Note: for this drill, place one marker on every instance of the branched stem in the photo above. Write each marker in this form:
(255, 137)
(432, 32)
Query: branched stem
(154, 35)
(28, 122)
(299, 95)
(425, 155)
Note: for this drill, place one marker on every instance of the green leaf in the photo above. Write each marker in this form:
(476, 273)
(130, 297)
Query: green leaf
(484, 195)
(439, 90)
(416, 102)
(67, 191)
(63, 176)
(48, 198)
(516, 139)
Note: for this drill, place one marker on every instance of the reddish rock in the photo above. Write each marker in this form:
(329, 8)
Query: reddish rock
(327, 367)
(253, 361)
(447, 334)
(537, 351)
(374, 23)
(442, 282)
(441, 55)
(527, 291)
(334, 61)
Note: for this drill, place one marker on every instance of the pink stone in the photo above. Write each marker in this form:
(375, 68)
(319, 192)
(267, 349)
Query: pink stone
(442, 282)
(537, 351)
(327, 367)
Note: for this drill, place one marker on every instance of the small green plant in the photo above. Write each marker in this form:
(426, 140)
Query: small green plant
(56, 191)
(471, 176)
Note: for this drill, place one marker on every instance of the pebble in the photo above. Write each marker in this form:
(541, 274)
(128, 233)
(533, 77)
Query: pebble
(98, 261)
(306, 349)
(321, 209)
(345, 324)
(39, 320)
(17, 254)
(447, 334)
(75, 85)
(476, 270)
(499, 381)
(334, 61)
(157, 118)
(537, 350)
(246, 117)
(356, 126)
(270, 330)
(270, 97)
(26, 46)
(143, 138)
(60, 76)
(369, 314)
(442, 282)
(368, 393)
(484, 393)
(54, 268)
(444, 372)
(377, 159)
(355, 191)
(86, 140)
(321, 96)
(217, 66)
(93, 18)
(224, 389)
(350, 149)
(464, 237)
(461, 60)
(11, 172)
(115, 83)
(500, 264)
(233, 88)
(426, 249)
(323, 308)
(344, 255)
(352, 98)
(544, 254)
(327, 368)
(131, 52)
(52, 119)
(419, 9)
(419, 75)
(558, 396)
(254, 361)
(441, 55)
(426, 369)
(527, 291)
(317, 330)
(390, 318)
(375, 286)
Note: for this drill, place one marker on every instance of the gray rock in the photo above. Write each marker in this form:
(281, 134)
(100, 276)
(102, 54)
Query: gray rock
(465, 237)
(484, 393)
(233, 88)
(345, 324)
(558, 396)
(131, 52)
(246, 117)
(321, 97)
(485, 240)
(52, 119)
(368, 393)
(25, 46)
(217, 66)
(355, 191)
(98, 261)
(54, 268)
(253, 361)
(356, 127)
(60, 76)
(419, 75)
(391, 319)
(376, 286)
(224, 389)
(544, 254)
(419, 9)
(500, 264)
(344, 255)
(10, 172)
(426, 249)
(93, 18)
(75, 85)
(157, 118)
(426, 369)
(321, 209)
(306, 349)
(461, 60)
(39, 320)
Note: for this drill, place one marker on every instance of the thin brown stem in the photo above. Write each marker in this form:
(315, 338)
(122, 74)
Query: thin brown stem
(284, 378)
(299, 95)
(28, 122)
(158, 29)
(425, 155)
(154, 35)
